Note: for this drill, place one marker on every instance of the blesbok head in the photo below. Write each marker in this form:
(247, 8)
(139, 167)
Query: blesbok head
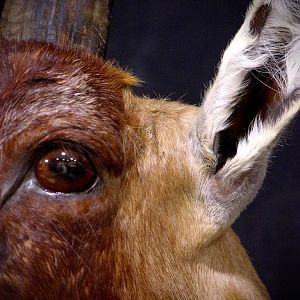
(106, 195)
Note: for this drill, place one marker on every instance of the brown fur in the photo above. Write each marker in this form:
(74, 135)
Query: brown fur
(142, 234)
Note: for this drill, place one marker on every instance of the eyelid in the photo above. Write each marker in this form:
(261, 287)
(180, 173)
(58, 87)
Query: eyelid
(45, 147)
(33, 185)
(33, 140)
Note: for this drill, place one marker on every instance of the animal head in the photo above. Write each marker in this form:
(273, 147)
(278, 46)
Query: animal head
(105, 195)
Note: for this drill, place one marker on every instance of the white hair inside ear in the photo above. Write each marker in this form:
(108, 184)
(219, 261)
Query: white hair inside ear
(254, 96)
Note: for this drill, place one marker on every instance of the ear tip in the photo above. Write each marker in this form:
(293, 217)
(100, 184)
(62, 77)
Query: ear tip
(258, 21)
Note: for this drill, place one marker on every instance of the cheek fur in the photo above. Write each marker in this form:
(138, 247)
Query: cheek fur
(3, 249)
(60, 241)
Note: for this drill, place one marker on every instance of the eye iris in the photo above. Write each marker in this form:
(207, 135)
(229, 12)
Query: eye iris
(65, 171)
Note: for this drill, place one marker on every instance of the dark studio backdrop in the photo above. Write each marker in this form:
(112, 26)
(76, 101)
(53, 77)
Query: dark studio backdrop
(175, 46)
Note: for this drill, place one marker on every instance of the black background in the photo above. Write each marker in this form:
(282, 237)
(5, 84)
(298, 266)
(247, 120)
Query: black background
(174, 47)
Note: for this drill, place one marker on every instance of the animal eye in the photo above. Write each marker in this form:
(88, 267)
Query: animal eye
(65, 170)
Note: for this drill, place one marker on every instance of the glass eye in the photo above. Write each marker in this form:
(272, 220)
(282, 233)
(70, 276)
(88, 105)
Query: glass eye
(65, 170)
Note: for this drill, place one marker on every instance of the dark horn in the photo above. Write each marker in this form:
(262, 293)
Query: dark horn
(83, 23)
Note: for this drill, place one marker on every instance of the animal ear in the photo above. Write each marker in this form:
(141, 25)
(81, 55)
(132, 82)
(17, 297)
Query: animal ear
(255, 95)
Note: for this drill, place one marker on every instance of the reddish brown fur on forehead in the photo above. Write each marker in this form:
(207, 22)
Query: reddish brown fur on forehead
(30, 61)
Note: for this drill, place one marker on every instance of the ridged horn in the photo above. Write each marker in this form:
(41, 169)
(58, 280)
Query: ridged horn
(83, 23)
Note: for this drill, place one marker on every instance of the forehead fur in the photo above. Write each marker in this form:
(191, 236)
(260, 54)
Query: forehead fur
(30, 60)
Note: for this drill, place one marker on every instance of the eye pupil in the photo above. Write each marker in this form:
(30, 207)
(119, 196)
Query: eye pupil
(68, 168)
(65, 170)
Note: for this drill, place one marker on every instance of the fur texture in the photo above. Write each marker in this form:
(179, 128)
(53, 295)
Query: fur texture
(171, 178)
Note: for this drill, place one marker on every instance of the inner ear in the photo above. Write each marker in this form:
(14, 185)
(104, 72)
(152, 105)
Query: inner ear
(259, 98)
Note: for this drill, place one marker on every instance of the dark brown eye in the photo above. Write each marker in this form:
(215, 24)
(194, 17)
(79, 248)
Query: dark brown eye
(65, 170)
